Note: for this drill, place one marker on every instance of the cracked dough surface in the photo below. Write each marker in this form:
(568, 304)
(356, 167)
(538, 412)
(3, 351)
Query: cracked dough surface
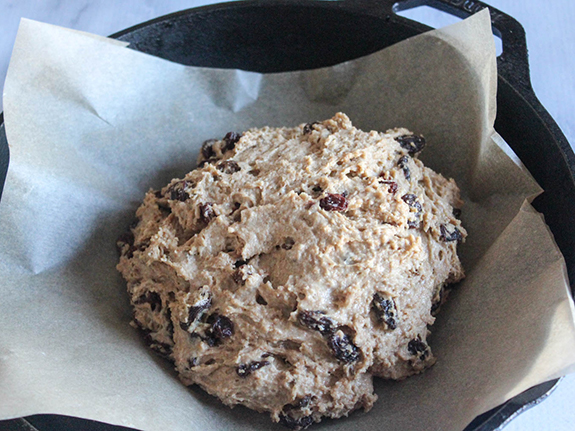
(294, 265)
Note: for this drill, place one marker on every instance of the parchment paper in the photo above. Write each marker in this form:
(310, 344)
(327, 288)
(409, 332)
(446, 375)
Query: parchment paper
(92, 125)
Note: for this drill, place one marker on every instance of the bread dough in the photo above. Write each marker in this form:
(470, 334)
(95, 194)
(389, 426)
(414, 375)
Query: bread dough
(294, 265)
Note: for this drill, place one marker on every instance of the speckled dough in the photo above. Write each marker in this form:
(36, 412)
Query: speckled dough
(294, 265)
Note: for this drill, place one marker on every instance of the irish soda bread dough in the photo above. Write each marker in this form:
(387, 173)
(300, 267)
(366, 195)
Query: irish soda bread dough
(294, 265)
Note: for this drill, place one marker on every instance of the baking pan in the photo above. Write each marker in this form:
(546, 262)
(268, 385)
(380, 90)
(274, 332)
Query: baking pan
(285, 35)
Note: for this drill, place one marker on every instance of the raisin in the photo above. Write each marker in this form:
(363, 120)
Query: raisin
(403, 164)
(163, 349)
(304, 402)
(238, 277)
(411, 200)
(316, 189)
(437, 300)
(241, 274)
(141, 246)
(208, 149)
(412, 143)
(315, 320)
(126, 238)
(207, 212)
(392, 186)
(151, 298)
(228, 167)
(231, 139)
(170, 326)
(308, 128)
(289, 410)
(295, 424)
(333, 202)
(418, 348)
(342, 347)
(288, 243)
(208, 161)
(457, 213)
(245, 370)
(221, 328)
(449, 236)
(178, 192)
(385, 310)
(196, 311)
(440, 296)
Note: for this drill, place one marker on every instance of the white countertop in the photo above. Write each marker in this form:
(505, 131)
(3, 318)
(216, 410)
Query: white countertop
(551, 43)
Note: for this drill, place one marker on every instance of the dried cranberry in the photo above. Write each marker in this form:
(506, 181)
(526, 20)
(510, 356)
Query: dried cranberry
(308, 128)
(403, 163)
(317, 321)
(450, 236)
(228, 167)
(418, 348)
(385, 310)
(245, 370)
(412, 143)
(151, 298)
(342, 347)
(231, 139)
(207, 212)
(295, 424)
(333, 202)
(207, 149)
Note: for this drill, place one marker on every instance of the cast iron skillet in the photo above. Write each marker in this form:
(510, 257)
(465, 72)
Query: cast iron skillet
(289, 35)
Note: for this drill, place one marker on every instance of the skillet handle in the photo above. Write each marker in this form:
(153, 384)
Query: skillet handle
(512, 64)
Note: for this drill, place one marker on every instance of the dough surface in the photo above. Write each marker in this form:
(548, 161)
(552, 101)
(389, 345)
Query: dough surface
(294, 264)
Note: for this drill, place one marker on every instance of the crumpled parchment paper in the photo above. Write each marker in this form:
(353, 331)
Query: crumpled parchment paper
(92, 125)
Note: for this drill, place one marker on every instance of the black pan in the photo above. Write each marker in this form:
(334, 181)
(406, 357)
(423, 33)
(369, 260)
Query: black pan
(286, 35)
